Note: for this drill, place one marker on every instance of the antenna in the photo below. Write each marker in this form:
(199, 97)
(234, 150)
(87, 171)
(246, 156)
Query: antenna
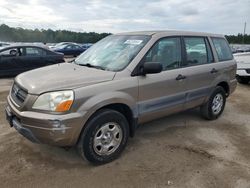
(244, 33)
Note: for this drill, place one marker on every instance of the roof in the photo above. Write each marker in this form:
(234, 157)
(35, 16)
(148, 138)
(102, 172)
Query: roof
(170, 32)
(22, 45)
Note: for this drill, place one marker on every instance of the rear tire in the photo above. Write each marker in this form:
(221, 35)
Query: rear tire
(215, 105)
(104, 137)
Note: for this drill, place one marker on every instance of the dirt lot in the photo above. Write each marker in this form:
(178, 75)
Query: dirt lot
(182, 150)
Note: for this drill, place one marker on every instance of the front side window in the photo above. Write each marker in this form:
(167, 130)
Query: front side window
(69, 47)
(222, 48)
(114, 52)
(166, 51)
(11, 52)
(197, 51)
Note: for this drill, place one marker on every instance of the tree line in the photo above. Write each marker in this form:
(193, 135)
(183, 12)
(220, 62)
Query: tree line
(238, 39)
(12, 34)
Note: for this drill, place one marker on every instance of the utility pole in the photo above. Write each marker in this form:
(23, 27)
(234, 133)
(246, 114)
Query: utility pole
(243, 39)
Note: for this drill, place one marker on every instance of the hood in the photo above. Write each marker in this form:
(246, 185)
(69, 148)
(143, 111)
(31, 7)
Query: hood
(61, 76)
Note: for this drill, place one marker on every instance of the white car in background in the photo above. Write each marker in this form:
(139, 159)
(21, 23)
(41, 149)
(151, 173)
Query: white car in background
(243, 67)
(3, 44)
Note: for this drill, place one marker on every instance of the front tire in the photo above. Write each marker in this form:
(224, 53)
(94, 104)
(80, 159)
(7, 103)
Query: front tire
(215, 105)
(104, 137)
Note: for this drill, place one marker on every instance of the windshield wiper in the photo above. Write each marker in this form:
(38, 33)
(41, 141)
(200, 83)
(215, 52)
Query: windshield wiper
(92, 66)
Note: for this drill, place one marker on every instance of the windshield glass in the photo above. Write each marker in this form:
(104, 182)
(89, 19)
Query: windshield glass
(62, 46)
(114, 52)
(61, 43)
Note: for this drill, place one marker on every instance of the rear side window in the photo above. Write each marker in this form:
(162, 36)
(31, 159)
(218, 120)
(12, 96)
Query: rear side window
(198, 51)
(222, 49)
(30, 51)
(77, 47)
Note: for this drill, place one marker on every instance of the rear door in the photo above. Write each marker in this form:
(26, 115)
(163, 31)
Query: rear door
(162, 93)
(33, 57)
(200, 69)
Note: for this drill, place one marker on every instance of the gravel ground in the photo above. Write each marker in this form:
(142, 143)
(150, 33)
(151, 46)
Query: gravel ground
(181, 150)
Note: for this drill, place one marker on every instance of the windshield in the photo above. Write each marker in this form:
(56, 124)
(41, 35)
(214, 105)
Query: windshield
(62, 46)
(114, 52)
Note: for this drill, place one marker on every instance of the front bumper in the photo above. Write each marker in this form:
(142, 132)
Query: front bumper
(242, 72)
(59, 130)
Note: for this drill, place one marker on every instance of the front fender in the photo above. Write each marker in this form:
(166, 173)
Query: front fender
(107, 98)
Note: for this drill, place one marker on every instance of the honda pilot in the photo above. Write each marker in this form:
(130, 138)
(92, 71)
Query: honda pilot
(127, 79)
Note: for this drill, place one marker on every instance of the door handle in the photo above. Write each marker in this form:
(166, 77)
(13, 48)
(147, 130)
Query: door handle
(213, 71)
(180, 77)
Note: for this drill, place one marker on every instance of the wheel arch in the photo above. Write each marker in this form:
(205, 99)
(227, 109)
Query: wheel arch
(225, 86)
(127, 112)
(118, 101)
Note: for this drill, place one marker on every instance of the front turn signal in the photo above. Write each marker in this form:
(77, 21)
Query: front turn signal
(64, 106)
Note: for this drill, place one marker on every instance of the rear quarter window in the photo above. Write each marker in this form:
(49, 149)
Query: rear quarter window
(222, 48)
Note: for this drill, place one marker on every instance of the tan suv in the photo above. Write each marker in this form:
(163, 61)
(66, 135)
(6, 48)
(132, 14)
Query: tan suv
(124, 80)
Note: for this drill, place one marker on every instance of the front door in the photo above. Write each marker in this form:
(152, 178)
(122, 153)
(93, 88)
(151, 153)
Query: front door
(10, 62)
(162, 93)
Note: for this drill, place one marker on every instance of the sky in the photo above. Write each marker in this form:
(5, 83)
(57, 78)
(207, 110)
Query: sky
(214, 16)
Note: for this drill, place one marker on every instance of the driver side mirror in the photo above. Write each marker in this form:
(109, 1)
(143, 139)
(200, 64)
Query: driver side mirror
(151, 68)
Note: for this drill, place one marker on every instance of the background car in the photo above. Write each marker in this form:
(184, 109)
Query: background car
(86, 45)
(69, 49)
(57, 45)
(20, 58)
(3, 44)
(243, 67)
(240, 48)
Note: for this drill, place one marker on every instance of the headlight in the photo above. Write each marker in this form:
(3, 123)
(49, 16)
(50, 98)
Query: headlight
(59, 101)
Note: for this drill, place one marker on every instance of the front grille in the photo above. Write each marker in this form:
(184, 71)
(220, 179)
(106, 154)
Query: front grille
(248, 71)
(18, 94)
